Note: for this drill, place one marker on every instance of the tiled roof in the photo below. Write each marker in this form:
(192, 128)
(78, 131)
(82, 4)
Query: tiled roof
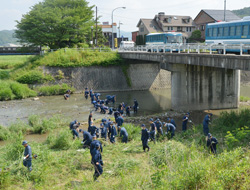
(218, 15)
(150, 24)
(174, 20)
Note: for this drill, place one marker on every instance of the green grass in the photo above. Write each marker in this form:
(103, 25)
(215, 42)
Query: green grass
(12, 61)
(73, 58)
(181, 163)
(54, 89)
(244, 99)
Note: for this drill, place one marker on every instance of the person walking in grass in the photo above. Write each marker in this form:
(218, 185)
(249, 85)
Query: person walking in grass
(205, 123)
(27, 159)
(97, 162)
(152, 129)
(144, 137)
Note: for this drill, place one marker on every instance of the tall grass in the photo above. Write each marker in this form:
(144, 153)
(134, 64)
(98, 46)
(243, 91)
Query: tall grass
(73, 58)
(13, 90)
(54, 89)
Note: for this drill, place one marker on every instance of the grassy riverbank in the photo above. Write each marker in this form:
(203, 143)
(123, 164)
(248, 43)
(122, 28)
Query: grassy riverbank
(27, 70)
(181, 163)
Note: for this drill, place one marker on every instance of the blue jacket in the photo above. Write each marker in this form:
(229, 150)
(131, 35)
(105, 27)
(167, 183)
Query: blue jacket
(184, 123)
(158, 125)
(86, 136)
(206, 121)
(92, 145)
(170, 127)
(113, 131)
(144, 134)
(120, 121)
(152, 125)
(173, 122)
(72, 124)
(93, 130)
(27, 151)
(123, 132)
(97, 157)
(103, 132)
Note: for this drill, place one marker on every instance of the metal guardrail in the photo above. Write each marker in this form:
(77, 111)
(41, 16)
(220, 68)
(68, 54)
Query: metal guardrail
(191, 48)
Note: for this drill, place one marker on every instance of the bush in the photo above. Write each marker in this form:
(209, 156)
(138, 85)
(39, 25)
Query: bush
(22, 91)
(31, 77)
(75, 58)
(133, 131)
(14, 149)
(4, 74)
(19, 126)
(60, 141)
(244, 99)
(4, 133)
(54, 90)
(6, 93)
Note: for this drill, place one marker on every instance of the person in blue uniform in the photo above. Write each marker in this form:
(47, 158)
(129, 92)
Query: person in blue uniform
(184, 122)
(128, 108)
(93, 129)
(135, 106)
(27, 159)
(124, 134)
(110, 111)
(206, 122)
(73, 127)
(92, 96)
(93, 143)
(144, 137)
(152, 129)
(87, 138)
(211, 143)
(97, 162)
(113, 133)
(171, 120)
(170, 128)
(90, 119)
(86, 93)
(103, 131)
(158, 125)
(97, 95)
(119, 122)
(116, 115)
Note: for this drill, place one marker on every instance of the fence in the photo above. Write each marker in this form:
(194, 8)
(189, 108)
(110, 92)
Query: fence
(193, 48)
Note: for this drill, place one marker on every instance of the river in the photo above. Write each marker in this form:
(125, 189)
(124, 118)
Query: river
(77, 107)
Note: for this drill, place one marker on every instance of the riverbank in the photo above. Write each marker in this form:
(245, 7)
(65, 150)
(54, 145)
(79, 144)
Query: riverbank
(181, 163)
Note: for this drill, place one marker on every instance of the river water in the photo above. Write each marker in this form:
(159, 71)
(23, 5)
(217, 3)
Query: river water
(77, 107)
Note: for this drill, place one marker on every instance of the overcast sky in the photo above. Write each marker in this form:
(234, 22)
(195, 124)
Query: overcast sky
(11, 10)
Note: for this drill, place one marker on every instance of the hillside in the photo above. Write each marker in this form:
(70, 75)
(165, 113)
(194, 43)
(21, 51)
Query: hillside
(6, 37)
(242, 12)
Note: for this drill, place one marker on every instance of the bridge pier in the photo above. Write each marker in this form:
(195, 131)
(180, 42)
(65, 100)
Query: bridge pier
(200, 87)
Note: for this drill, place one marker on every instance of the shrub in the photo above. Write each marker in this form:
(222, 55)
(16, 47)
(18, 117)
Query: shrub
(61, 141)
(19, 126)
(54, 90)
(244, 99)
(14, 149)
(31, 77)
(133, 131)
(4, 74)
(4, 133)
(6, 93)
(21, 91)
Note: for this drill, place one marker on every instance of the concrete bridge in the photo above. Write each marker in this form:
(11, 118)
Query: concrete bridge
(200, 81)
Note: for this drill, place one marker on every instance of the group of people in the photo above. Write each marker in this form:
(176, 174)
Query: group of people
(211, 141)
(102, 104)
(109, 130)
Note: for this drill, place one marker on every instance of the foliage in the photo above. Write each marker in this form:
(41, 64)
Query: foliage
(195, 37)
(125, 68)
(4, 74)
(13, 61)
(244, 98)
(14, 90)
(237, 137)
(54, 89)
(31, 77)
(61, 141)
(56, 23)
(4, 133)
(242, 12)
(133, 131)
(140, 40)
(76, 58)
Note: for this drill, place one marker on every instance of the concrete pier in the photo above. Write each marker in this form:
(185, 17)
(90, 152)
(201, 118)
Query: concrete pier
(198, 87)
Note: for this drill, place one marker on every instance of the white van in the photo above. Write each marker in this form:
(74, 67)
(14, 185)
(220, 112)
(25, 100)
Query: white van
(127, 44)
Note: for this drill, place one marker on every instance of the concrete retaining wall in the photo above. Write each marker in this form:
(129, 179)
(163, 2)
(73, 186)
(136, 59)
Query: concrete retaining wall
(143, 76)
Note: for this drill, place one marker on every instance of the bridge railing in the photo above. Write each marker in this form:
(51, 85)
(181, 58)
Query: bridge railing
(191, 48)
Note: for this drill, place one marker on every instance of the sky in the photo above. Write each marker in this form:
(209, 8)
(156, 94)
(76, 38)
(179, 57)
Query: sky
(11, 10)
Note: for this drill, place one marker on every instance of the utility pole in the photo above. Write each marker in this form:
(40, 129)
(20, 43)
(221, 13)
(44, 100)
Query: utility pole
(96, 27)
(225, 10)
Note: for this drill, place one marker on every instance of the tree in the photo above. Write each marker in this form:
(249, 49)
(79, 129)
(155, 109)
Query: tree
(195, 37)
(56, 23)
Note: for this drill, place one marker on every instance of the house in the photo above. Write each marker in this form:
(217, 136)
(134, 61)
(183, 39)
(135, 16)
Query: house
(211, 16)
(107, 32)
(166, 23)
